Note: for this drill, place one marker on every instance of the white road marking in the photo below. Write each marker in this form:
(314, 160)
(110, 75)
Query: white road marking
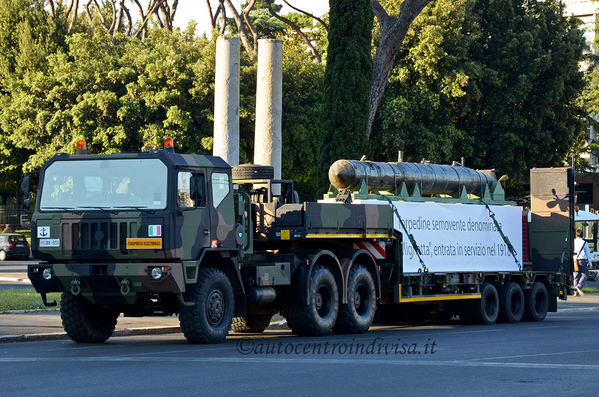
(349, 360)
(536, 355)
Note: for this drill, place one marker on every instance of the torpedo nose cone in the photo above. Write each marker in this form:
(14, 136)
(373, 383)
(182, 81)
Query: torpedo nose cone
(342, 175)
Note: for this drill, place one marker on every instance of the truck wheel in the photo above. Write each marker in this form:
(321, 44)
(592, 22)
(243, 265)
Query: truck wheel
(209, 320)
(511, 303)
(357, 315)
(2, 255)
(318, 317)
(486, 309)
(536, 302)
(252, 171)
(85, 322)
(252, 323)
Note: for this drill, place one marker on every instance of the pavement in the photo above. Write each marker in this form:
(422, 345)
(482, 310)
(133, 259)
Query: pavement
(38, 326)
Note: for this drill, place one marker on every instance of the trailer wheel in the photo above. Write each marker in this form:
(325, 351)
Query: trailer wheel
(252, 323)
(209, 320)
(536, 302)
(357, 315)
(511, 303)
(85, 322)
(486, 309)
(252, 171)
(319, 316)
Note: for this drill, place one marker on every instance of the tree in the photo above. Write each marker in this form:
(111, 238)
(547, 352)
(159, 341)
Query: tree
(527, 114)
(344, 114)
(493, 81)
(117, 96)
(393, 31)
(28, 34)
(422, 99)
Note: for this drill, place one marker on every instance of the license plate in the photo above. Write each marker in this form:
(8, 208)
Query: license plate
(20, 245)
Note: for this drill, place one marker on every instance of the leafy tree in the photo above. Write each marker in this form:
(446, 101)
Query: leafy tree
(423, 94)
(28, 35)
(344, 113)
(493, 81)
(118, 96)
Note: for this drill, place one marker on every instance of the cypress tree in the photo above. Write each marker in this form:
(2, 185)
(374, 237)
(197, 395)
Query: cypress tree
(346, 91)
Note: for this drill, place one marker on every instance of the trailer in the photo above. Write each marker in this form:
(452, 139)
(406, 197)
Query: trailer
(161, 233)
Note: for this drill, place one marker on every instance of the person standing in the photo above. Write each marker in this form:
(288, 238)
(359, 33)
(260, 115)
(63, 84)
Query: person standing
(582, 256)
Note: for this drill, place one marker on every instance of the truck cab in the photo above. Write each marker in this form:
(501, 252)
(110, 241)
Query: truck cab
(129, 230)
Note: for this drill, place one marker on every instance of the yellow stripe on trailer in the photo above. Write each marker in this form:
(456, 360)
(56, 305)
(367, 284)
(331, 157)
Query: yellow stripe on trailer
(355, 235)
(434, 298)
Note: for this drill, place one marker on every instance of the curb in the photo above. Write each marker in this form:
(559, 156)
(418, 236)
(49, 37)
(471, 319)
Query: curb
(277, 325)
(63, 335)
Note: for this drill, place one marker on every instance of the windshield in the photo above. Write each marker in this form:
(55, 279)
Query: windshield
(100, 184)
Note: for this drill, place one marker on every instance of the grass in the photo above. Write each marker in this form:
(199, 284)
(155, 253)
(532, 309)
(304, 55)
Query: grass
(25, 299)
(590, 289)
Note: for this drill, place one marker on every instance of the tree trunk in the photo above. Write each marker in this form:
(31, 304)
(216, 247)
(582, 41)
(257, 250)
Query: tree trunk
(393, 32)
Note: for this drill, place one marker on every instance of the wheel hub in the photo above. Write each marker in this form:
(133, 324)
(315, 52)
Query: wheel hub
(215, 307)
(357, 299)
(318, 301)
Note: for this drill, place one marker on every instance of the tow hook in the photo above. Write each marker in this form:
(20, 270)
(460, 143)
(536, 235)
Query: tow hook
(76, 286)
(125, 287)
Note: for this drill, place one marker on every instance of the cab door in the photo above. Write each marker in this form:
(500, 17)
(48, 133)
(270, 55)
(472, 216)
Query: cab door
(193, 215)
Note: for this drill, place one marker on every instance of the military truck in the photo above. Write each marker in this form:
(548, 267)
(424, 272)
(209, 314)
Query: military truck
(160, 233)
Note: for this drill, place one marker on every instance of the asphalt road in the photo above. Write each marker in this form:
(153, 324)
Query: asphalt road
(557, 357)
(13, 274)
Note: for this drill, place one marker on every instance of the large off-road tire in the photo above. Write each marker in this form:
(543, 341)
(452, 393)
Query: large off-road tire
(85, 322)
(252, 171)
(252, 323)
(511, 303)
(2, 255)
(319, 316)
(536, 302)
(486, 309)
(209, 320)
(358, 314)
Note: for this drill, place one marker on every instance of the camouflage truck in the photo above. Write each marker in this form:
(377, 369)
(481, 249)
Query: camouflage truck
(160, 233)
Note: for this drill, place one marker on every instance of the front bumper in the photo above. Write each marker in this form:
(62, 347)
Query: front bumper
(107, 278)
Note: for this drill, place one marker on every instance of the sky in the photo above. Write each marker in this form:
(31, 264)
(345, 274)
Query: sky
(197, 10)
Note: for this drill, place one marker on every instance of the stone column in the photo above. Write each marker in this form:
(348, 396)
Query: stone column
(226, 100)
(269, 106)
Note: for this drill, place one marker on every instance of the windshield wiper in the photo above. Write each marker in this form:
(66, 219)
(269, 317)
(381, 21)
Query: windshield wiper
(72, 209)
(134, 207)
(95, 207)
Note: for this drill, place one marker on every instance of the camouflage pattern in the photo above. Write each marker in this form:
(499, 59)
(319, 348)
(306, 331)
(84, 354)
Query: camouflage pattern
(323, 220)
(91, 246)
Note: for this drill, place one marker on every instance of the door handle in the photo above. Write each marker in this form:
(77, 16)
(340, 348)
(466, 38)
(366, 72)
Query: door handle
(206, 232)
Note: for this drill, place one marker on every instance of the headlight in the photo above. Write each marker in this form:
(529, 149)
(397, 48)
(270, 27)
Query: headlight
(47, 273)
(156, 273)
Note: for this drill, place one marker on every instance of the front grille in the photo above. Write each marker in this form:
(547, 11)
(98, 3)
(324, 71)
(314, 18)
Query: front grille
(98, 235)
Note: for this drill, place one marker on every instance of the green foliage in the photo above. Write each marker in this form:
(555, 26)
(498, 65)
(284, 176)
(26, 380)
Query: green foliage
(117, 95)
(27, 36)
(346, 90)
(494, 81)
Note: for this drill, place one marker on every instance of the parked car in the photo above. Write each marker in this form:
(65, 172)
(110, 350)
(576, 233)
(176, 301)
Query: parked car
(13, 245)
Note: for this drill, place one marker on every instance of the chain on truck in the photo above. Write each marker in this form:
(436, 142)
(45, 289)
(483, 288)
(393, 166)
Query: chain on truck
(160, 233)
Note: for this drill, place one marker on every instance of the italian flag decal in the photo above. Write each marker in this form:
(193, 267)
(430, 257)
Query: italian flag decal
(154, 230)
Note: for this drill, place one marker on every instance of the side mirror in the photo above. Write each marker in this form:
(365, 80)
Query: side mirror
(25, 191)
(25, 185)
